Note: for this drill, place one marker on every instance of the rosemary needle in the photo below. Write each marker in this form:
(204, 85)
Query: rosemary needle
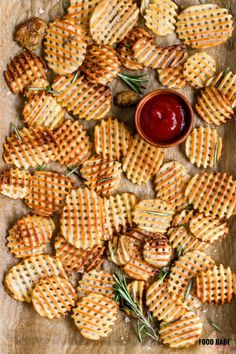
(16, 131)
(71, 171)
(179, 250)
(189, 287)
(68, 40)
(214, 325)
(158, 213)
(75, 77)
(40, 167)
(215, 156)
(226, 71)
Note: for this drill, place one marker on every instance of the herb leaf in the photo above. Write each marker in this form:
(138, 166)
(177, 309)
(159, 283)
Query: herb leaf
(225, 72)
(214, 325)
(40, 167)
(134, 82)
(153, 212)
(75, 77)
(68, 40)
(163, 273)
(179, 250)
(14, 128)
(72, 170)
(189, 287)
(215, 155)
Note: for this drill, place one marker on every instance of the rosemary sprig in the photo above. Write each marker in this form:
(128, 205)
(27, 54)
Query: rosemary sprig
(105, 179)
(152, 212)
(75, 77)
(68, 40)
(189, 287)
(72, 170)
(226, 71)
(122, 295)
(134, 82)
(40, 167)
(214, 325)
(46, 89)
(215, 155)
(14, 128)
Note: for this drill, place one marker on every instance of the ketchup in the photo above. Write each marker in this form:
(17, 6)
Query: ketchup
(163, 118)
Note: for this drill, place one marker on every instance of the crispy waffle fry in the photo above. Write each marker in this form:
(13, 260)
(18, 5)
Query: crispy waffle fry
(213, 194)
(21, 278)
(48, 192)
(82, 98)
(53, 297)
(198, 68)
(153, 215)
(111, 139)
(207, 229)
(120, 250)
(112, 20)
(81, 10)
(78, 260)
(153, 56)
(172, 77)
(182, 218)
(15, 183)
(157, 252)
(225, 82)
(185, 268)
(170, 183)
(95, 316)
(138, 268)
(160, 15)
(118, 211)
(98, 282)
(161, 304)
(204, 26)
(101, 175)
(83, 219)
(101, 64)
(43, 109)
(35, 230)
(34, 146)
(142, 161)
(182, 333)
(35, 87)
(216, 286)
(137, 289)
(74, 146)
(213, 107)
(64, 46)
(203, 146)
(23, 70)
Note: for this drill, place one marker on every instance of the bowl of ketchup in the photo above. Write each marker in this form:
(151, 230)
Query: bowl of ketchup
(164, 118)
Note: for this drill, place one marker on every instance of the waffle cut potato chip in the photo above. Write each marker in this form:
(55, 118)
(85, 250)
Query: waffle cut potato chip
(74, 146)
(216, 286)
(207, 229)
(118, 212)
(203, 147)
(204, 26)
(64, 46)
(161, 304)
(137, 268)
(111, 139)
(53, 297)
(157, 252)
(23, 70)
(95, 316)
(198, 68)
(153, 215)
(142, 161)
(48, 192)
(151, 55)
(120, 249)
(43, 109)
(101, 175)
(31, 147)
(98, 282)
(101, 64)
(112, 20)
(225, 82)
(137, 290)
(81, 10)
(36, 86)
(83, 219)
(170, 183)
(182, 217)
(78, 260)
(22, 278)
(15, 183)
(160, 15)
(182, 333)
(82, 98)
(213, 107)
(213, 194)
(172, 77)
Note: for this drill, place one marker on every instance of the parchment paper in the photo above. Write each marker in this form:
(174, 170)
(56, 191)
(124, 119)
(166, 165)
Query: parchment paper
(22, 331)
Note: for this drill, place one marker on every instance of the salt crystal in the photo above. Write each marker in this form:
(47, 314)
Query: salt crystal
(127, 320)
(41, 11)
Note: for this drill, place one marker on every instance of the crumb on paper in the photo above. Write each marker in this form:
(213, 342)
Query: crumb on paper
(41, 11)
(127, 320)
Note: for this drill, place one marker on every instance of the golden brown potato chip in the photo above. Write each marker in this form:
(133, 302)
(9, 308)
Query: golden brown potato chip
(98, 282)
(203, 147)
(198, 68)
(23, 70)
(48, 192)
(64, 46)
(138, 268)
(120, 250)
(74, 146)
(213, 194)
(157, 252)
(81, 10)
(43, 109)
(36, 86)
(21, 278)
(225, 82)
(95, 316)
(203, 26)
(112, 20)
(142, 161)
(83, 219)
(78, 260)
(182, 333)
(172, 77)
(137, 289)
(15, 183)
(53, 297)
(216, 286)
(170, 183)
(82, 98)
